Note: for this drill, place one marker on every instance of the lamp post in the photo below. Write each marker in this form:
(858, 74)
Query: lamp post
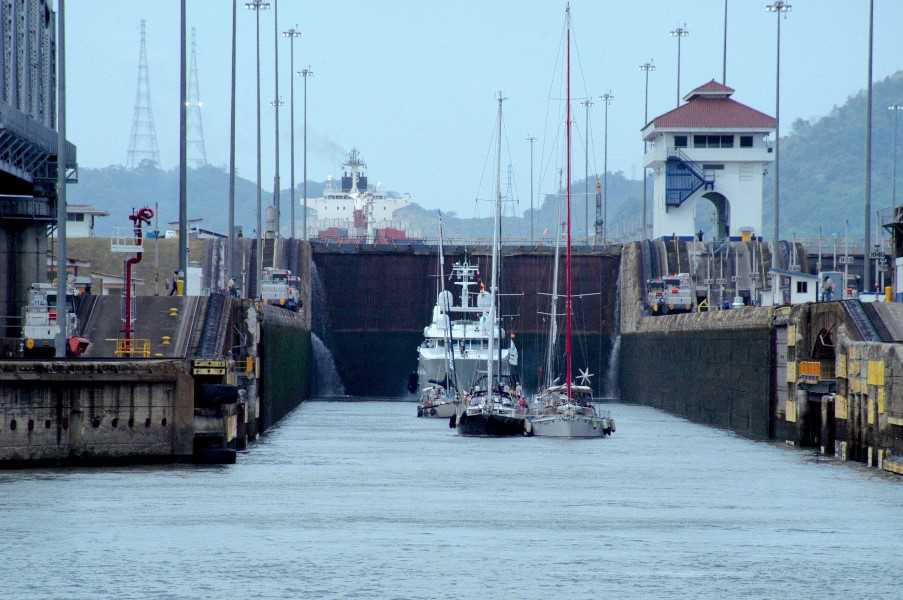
(679, 32)
(62, 270)
(606, 99)
(257, 6)
(867, 271)
(724, 49)
(646, 68)
(277, 200)
(291, 34)
(778, 7)
(896, 108)
(306, 73)
(183, 153)
(532, 140)
(230, 252)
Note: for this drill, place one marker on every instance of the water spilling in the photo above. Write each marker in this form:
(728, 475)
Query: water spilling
(327, 381)
(612, 389)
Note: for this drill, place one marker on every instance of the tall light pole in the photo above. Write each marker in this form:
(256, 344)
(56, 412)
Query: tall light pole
(306, 73)
(646, 68)
(867, 271)
(606, 99)
(679, 32)
(62, 260)
(896, 108)
(724, 49)
(586, 104)
(291, 34)
(277, 200)
(257, 6)
(230, 252)
(183, 152)
(778, 7)
(532, 140)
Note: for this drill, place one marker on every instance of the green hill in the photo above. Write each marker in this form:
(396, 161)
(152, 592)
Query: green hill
(823, 165)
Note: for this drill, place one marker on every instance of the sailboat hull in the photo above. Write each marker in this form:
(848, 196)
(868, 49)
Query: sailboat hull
(493, 425)
(563, 426)
(442, 410)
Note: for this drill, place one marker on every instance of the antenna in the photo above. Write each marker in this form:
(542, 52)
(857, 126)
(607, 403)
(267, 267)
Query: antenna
(143, 138)
(197, 149)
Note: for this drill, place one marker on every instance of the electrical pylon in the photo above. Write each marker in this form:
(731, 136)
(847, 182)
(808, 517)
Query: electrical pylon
(197, 149)
(143, 138)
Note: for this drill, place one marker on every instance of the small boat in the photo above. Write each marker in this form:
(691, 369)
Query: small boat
(494, 405)
(553, 415)
(501, 412)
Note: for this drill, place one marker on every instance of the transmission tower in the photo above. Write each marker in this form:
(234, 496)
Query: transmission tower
(197, 150)
(143, 139)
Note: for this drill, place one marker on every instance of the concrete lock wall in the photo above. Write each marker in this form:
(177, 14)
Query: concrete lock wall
(712, 368)
(286, 364)
(71, 413)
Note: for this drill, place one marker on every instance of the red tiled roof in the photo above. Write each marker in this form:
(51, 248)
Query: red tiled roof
(710, 107)
(712, 87)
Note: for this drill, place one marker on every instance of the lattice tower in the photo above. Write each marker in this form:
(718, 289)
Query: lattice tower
(143, 139)
(197, 149)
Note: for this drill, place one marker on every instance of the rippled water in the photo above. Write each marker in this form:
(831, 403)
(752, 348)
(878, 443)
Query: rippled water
(363, 500)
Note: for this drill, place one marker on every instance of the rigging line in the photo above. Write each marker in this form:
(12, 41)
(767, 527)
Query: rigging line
(556, 70)
(579, 61)
(476, 196)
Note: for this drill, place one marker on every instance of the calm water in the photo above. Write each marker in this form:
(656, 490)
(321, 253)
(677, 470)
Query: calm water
(363, 500)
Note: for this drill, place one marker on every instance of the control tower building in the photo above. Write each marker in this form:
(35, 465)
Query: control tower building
(710, 149)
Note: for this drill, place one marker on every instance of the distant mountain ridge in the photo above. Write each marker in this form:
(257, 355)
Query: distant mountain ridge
(822, 185)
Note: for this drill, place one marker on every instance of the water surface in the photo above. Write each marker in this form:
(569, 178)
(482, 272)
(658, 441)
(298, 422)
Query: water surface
(363, 500)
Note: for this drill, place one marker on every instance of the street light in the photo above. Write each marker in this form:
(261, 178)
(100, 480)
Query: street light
(679, 32)
(586, 104)
(606, 99)
(277, 199)
(257, 6)
(291, 34)
(230, 254)
(867, 272)
(778, 7)
(896, 108)
(305, 73)
(646, 68)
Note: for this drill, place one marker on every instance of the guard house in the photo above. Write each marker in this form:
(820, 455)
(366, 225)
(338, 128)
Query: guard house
(81, 220)
(710, 149)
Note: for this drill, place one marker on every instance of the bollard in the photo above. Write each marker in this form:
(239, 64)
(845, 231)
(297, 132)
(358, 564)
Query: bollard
(174, 311)
(165, 340)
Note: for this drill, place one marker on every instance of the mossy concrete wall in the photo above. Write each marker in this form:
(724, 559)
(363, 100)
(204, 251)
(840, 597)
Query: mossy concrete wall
(286, 363)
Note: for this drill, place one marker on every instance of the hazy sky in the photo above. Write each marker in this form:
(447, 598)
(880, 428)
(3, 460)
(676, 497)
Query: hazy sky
(412, 84)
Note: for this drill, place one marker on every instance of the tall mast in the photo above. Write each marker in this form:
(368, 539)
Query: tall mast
(567, 260)
(452, 376)
(496, 240)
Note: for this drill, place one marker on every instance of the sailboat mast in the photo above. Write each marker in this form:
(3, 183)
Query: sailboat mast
(496, 231)
(452, 376)
(567, 262)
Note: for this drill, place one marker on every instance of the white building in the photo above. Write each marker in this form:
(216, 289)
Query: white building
(711, 148)
(81, 220)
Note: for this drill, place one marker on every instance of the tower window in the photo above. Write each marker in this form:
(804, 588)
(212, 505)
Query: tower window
(746, 141)
(727, 141)
(699, 141)
(680, 141)
(802, 287)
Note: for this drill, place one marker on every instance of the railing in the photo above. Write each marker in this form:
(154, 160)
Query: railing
(132, 348)
(125, 241)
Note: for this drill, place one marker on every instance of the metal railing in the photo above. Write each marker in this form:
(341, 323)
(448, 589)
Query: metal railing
(132, 348)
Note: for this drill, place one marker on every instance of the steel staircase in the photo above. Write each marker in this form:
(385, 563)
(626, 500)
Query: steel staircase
(683, 178)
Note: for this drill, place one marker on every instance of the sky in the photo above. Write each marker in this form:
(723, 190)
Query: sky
(412, 84)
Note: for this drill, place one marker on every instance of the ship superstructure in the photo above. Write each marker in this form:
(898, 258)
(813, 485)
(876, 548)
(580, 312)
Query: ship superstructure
(351, 210)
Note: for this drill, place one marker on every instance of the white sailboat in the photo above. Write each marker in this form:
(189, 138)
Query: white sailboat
(566, 410)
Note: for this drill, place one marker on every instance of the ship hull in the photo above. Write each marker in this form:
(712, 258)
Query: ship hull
(491, 425)
(443, 410)
(570, 426)
(467, 370)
